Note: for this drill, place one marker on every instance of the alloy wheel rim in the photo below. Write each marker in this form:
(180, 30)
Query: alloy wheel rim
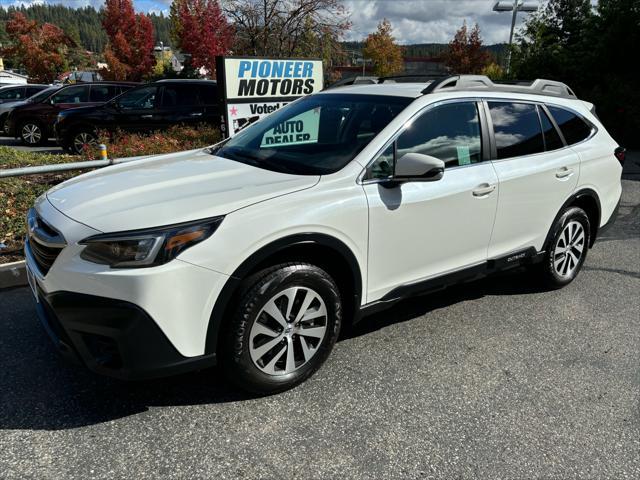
(83, 140)
(569, 249)
(31, 133)
(288, 331)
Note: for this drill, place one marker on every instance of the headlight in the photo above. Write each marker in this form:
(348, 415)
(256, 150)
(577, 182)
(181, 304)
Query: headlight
(146, 248)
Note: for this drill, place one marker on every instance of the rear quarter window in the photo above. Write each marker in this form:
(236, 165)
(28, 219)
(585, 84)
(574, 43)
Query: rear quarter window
(574, 128)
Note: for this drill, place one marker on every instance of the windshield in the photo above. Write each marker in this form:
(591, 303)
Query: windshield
(38, 97)
(316, 135)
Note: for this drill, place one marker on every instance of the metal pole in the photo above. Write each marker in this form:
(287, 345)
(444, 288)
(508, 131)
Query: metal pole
(513, 26)
(63, 167)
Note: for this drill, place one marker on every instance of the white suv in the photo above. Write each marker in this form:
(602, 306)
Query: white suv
(253, 253)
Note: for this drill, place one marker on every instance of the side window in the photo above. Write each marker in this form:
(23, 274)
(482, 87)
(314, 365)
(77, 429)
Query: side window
(516, 128)
(77, 94)
(33, 91)
(179, 95)
(450, 132)
(209, 95)
(11, 94)
(572, 126)
(102, 93)
(138, 99)
(552, 140)
(383, 165)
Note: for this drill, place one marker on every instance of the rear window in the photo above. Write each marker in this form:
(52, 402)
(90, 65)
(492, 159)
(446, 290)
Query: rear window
(517, 129)
(574, 128)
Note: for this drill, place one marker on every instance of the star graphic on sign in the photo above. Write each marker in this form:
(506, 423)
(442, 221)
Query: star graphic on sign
(234, 111)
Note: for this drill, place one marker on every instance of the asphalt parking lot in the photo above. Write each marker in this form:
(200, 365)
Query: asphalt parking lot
(492, 379)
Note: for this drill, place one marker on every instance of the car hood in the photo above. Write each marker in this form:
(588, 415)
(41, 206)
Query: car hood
(167, 189)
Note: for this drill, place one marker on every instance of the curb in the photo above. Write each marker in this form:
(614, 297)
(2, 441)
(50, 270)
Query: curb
(13, 274)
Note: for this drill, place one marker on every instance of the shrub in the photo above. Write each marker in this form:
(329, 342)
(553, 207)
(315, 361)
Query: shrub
(176, 139)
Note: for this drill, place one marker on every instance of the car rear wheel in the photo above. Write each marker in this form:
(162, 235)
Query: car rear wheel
(567, 248)
(83, 140)
(284, 328)
(32, 133)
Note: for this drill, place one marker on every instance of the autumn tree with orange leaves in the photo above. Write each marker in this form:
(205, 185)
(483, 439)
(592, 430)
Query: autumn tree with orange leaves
(465, 53)
(381, 48)
(129, 53)
(40, 49)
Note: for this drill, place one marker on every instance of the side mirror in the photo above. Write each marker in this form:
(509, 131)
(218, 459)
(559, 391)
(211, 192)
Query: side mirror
(417, 167)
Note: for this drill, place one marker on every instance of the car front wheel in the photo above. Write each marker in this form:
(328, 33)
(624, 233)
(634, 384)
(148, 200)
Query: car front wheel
(284, 328)
(83, 140)
(32, 133)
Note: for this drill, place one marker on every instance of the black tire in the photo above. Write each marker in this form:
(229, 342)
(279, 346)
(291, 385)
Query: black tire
(556, 262)
(4, 127)
(32, 133)
(78, 144)
(265, 287)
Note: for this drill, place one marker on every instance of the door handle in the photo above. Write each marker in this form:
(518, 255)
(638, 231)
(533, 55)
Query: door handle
(146, 116)
(564, 172)
(483, 190)
(197, 114)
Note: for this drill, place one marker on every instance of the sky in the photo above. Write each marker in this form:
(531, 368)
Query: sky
(413, 21)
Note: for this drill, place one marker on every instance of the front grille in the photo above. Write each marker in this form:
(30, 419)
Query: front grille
(44, 242)
(43, 255)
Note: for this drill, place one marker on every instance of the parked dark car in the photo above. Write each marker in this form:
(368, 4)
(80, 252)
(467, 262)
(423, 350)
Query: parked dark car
(155, 106)
(33, 121)
(13, 93)
(7, 107)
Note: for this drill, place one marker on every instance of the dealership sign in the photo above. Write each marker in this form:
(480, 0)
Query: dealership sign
(251, 88)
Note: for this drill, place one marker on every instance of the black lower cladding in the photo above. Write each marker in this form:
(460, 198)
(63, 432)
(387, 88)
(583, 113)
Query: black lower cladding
(112, 337)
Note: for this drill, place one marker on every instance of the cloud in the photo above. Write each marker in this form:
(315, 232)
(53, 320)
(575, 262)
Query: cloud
(429, 21)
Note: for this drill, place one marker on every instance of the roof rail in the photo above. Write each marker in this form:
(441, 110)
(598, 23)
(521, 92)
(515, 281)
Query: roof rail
(482, 82)
(410, 78)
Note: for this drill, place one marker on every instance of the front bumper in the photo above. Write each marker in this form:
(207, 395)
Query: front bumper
(111, 337)
(127, 323)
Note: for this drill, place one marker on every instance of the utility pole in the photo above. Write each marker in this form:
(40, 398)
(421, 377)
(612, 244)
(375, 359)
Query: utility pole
(517, 6)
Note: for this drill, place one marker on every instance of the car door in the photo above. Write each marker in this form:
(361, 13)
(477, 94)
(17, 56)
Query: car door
(211, 101)
(420, 230)
(137, 110)
(536, 174)
(181, 105)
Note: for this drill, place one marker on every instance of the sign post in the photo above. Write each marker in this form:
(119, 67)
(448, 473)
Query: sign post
(251, 88)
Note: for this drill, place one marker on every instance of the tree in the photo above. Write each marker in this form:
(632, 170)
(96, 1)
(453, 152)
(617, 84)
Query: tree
(40, 49)
(589, 50)
(279, 28)
(466, 53)
(200, 29)
(129, 53)
(381, 48)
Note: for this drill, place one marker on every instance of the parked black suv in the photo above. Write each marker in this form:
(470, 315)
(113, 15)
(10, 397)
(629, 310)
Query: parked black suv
(33, 121)
(15, 93)
(155, 106)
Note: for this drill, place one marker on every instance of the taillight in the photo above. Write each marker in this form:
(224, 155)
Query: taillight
(620, 154)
